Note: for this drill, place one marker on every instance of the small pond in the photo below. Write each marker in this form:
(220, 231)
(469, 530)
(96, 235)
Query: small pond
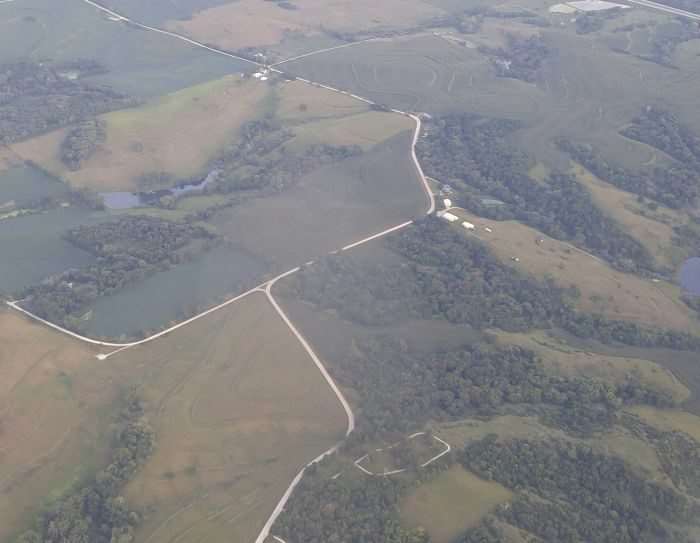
(690, 276)
(130, 200)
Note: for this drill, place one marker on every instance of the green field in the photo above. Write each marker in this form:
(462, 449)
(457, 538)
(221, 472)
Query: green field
(451, 503)
(144, 64)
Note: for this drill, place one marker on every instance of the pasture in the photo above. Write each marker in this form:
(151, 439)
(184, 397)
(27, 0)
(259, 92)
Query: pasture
(654, 229)
(451, 503)
(51, 400)
(157, 137)
(237, 405)
(603, 289)
(238, 408)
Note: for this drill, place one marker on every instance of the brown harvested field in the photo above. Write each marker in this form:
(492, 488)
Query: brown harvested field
(50, 393)
(260, 23)
(453, 502)
(177, 133)
(238, 407)
(603, 290)
(655, 235)
(568, 361)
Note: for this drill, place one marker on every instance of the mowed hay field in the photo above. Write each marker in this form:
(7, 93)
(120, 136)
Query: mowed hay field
(603, 290)
(451, 503)
(238, 408)
(260, 23)
(653, 230)
(177, 134)
(51, 396)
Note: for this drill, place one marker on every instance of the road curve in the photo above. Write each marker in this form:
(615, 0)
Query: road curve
(279, 508)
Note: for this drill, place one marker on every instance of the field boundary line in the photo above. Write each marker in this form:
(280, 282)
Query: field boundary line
(325, 50)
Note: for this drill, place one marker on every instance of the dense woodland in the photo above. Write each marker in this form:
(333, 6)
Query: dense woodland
(347, 509)
(126, 250)
(444, 274)
(568, 493)
(37, 98)
(402, 389)
(475, 156)
(94, 511)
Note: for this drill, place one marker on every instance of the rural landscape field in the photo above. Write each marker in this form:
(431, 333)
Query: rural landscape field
(412, 271)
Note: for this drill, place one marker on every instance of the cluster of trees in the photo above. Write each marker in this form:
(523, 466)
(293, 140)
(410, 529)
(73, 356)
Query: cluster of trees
(521, 58)
(475, 156)
(95, 512)
(569, 493)
(126, 250)
(81, 142)
(675, 186)
(402, 389)
(662, 129)
(347, 508)
(665, 40)
(259, 161)
(37, 98)
(444, 274)
(678, 453)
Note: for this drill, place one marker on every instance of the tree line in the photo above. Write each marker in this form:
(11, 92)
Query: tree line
(443, 274)
(94, 511)
(675, 186)
(402, 389)
(567, 493)
(126, 250)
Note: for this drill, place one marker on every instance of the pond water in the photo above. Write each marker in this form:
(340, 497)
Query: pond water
(690, 276)
(130, 200)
